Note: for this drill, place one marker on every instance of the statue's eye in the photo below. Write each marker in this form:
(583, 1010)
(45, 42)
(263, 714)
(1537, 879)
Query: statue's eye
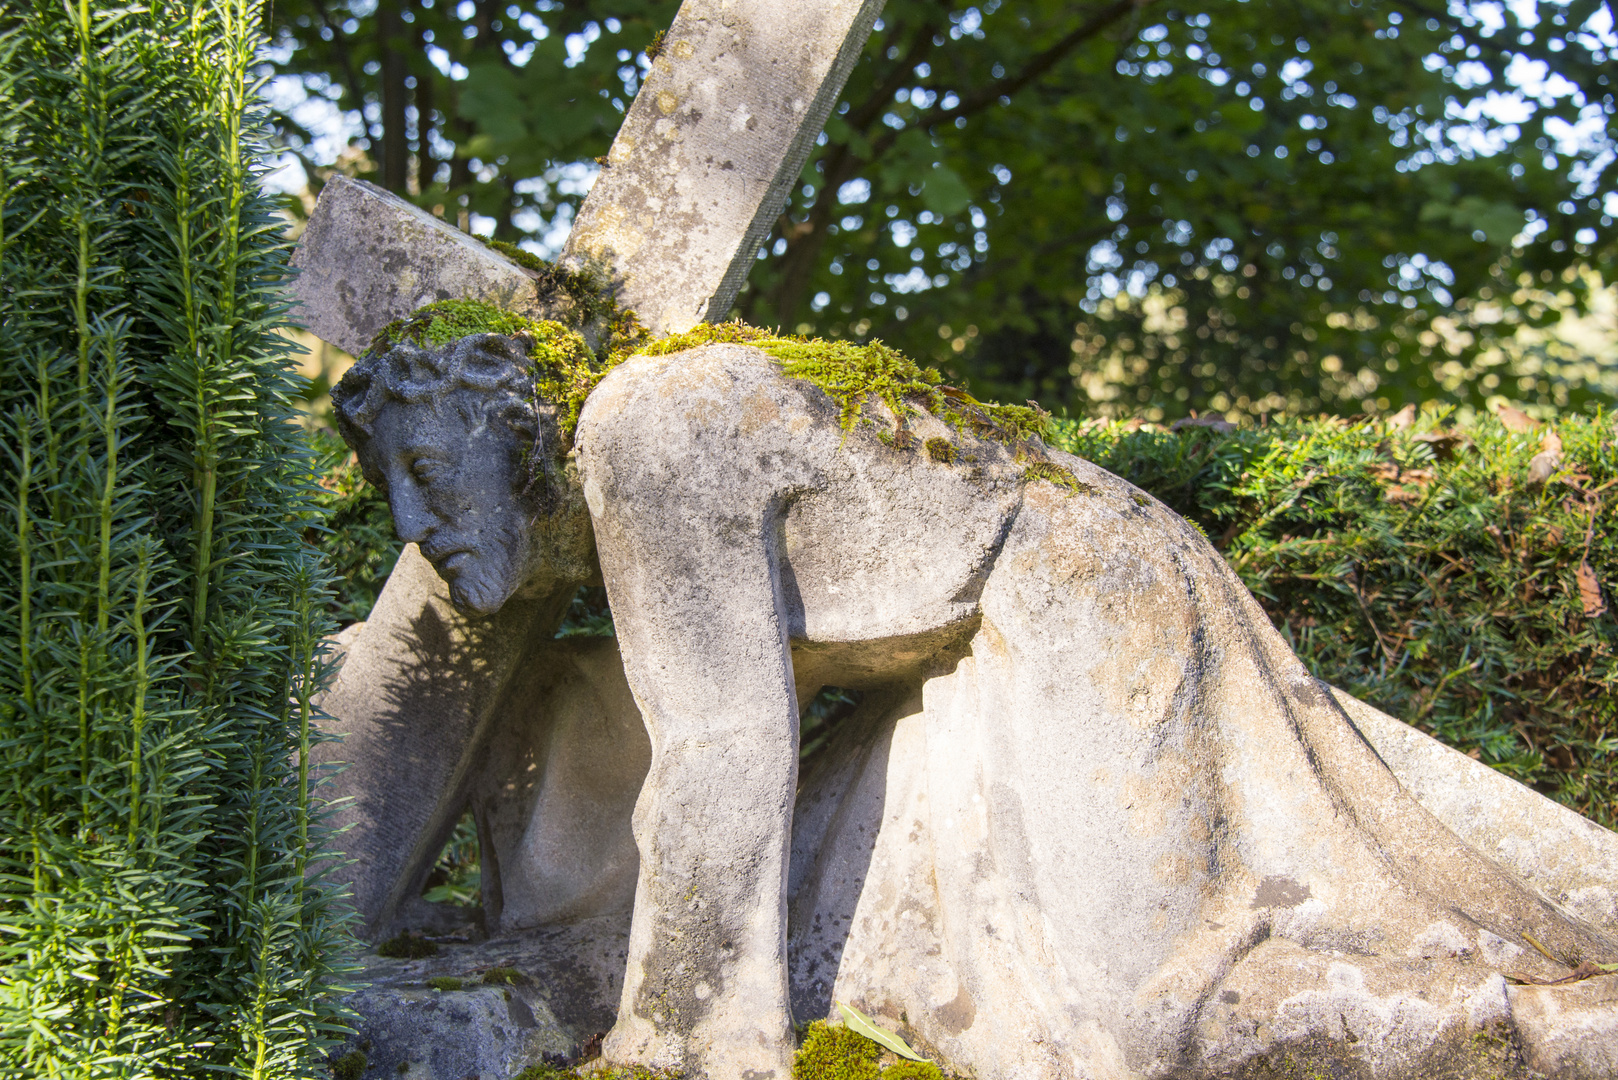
(424, 469)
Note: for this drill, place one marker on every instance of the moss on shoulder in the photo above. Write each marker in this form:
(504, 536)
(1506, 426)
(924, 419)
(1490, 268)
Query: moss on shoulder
(852, 374)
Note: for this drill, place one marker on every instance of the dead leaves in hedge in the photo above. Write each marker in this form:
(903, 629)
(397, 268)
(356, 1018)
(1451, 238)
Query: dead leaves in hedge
(1590, 590)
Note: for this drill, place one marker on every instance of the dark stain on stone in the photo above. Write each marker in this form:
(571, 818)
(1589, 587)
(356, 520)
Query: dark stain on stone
(1230, 997)
(1308, 691)
(958, 1015)
(521, 1014)
(1277, 891)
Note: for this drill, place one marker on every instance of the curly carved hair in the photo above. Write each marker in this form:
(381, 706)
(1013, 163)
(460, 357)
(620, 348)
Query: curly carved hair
(494, 365)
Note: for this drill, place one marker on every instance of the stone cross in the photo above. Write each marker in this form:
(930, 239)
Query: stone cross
(718, 133)
(715, 139)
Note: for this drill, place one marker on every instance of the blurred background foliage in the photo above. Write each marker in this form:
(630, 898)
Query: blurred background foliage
(1119, 208)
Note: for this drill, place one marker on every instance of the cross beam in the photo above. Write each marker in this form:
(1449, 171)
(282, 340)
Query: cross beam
(714, 140)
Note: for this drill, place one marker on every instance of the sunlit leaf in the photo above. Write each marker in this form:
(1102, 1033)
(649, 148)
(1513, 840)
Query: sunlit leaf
(863, 1024)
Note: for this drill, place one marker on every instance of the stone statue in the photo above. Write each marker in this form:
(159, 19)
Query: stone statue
(1094, 819)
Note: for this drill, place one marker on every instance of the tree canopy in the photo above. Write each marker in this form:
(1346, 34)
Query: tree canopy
(1243, 207)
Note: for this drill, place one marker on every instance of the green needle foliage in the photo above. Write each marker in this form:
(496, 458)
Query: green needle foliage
(160, 613)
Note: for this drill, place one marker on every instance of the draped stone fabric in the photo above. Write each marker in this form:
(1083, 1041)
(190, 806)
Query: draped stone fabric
(1093, 819)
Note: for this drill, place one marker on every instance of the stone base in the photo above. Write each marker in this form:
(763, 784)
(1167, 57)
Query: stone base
(566, 998)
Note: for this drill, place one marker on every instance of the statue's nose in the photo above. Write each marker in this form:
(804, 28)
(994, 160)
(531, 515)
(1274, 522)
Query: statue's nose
(411, 521)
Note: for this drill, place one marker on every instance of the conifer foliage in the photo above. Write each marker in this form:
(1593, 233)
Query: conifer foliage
(160, 616)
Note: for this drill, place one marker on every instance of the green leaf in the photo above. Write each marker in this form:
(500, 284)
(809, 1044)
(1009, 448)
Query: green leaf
(945, 193)
(858, 1021)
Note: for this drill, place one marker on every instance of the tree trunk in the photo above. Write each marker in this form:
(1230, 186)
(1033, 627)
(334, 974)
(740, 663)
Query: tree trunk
(395, 142)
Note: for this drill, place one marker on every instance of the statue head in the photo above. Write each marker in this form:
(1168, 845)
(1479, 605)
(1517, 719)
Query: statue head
(454, 436)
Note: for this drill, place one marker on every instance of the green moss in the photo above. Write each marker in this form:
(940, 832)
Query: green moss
(835, 1053)
(504, 976)
(407, 946)
(525, 259)
(566, 372)
(545, 1072)
(588, 299)
(852, 374)
(1056, 474)
(349, 1067)
(445, 982)
(438, 324)
(913, 1070)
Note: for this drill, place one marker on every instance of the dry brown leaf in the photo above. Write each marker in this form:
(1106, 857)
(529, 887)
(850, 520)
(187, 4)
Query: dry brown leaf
(1383, 470)
(1419, 477)
(1444, 442)
(1590, 590)
(1213, 420)
(1404, 419)
(1542, 466)
(1515, 419)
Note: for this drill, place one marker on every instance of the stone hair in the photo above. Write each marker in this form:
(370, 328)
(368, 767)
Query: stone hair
(492, 364)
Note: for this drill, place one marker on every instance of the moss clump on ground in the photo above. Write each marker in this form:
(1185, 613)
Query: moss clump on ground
(913, 1070)
(445, 982)
(840, 1053)
(351, 1066)
(504, 976)
(407, 946)
(835, 1053)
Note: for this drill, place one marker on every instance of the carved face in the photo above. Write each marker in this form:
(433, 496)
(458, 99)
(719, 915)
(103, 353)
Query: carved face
(454, 480)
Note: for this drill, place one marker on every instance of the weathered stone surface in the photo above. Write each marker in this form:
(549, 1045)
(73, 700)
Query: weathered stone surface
(715, 138)
(1565, 856)
(1569, 1032)
(569, 982)
(367, 257)
(701, 167)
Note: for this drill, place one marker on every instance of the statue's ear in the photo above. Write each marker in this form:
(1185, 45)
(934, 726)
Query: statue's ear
(519, 416)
